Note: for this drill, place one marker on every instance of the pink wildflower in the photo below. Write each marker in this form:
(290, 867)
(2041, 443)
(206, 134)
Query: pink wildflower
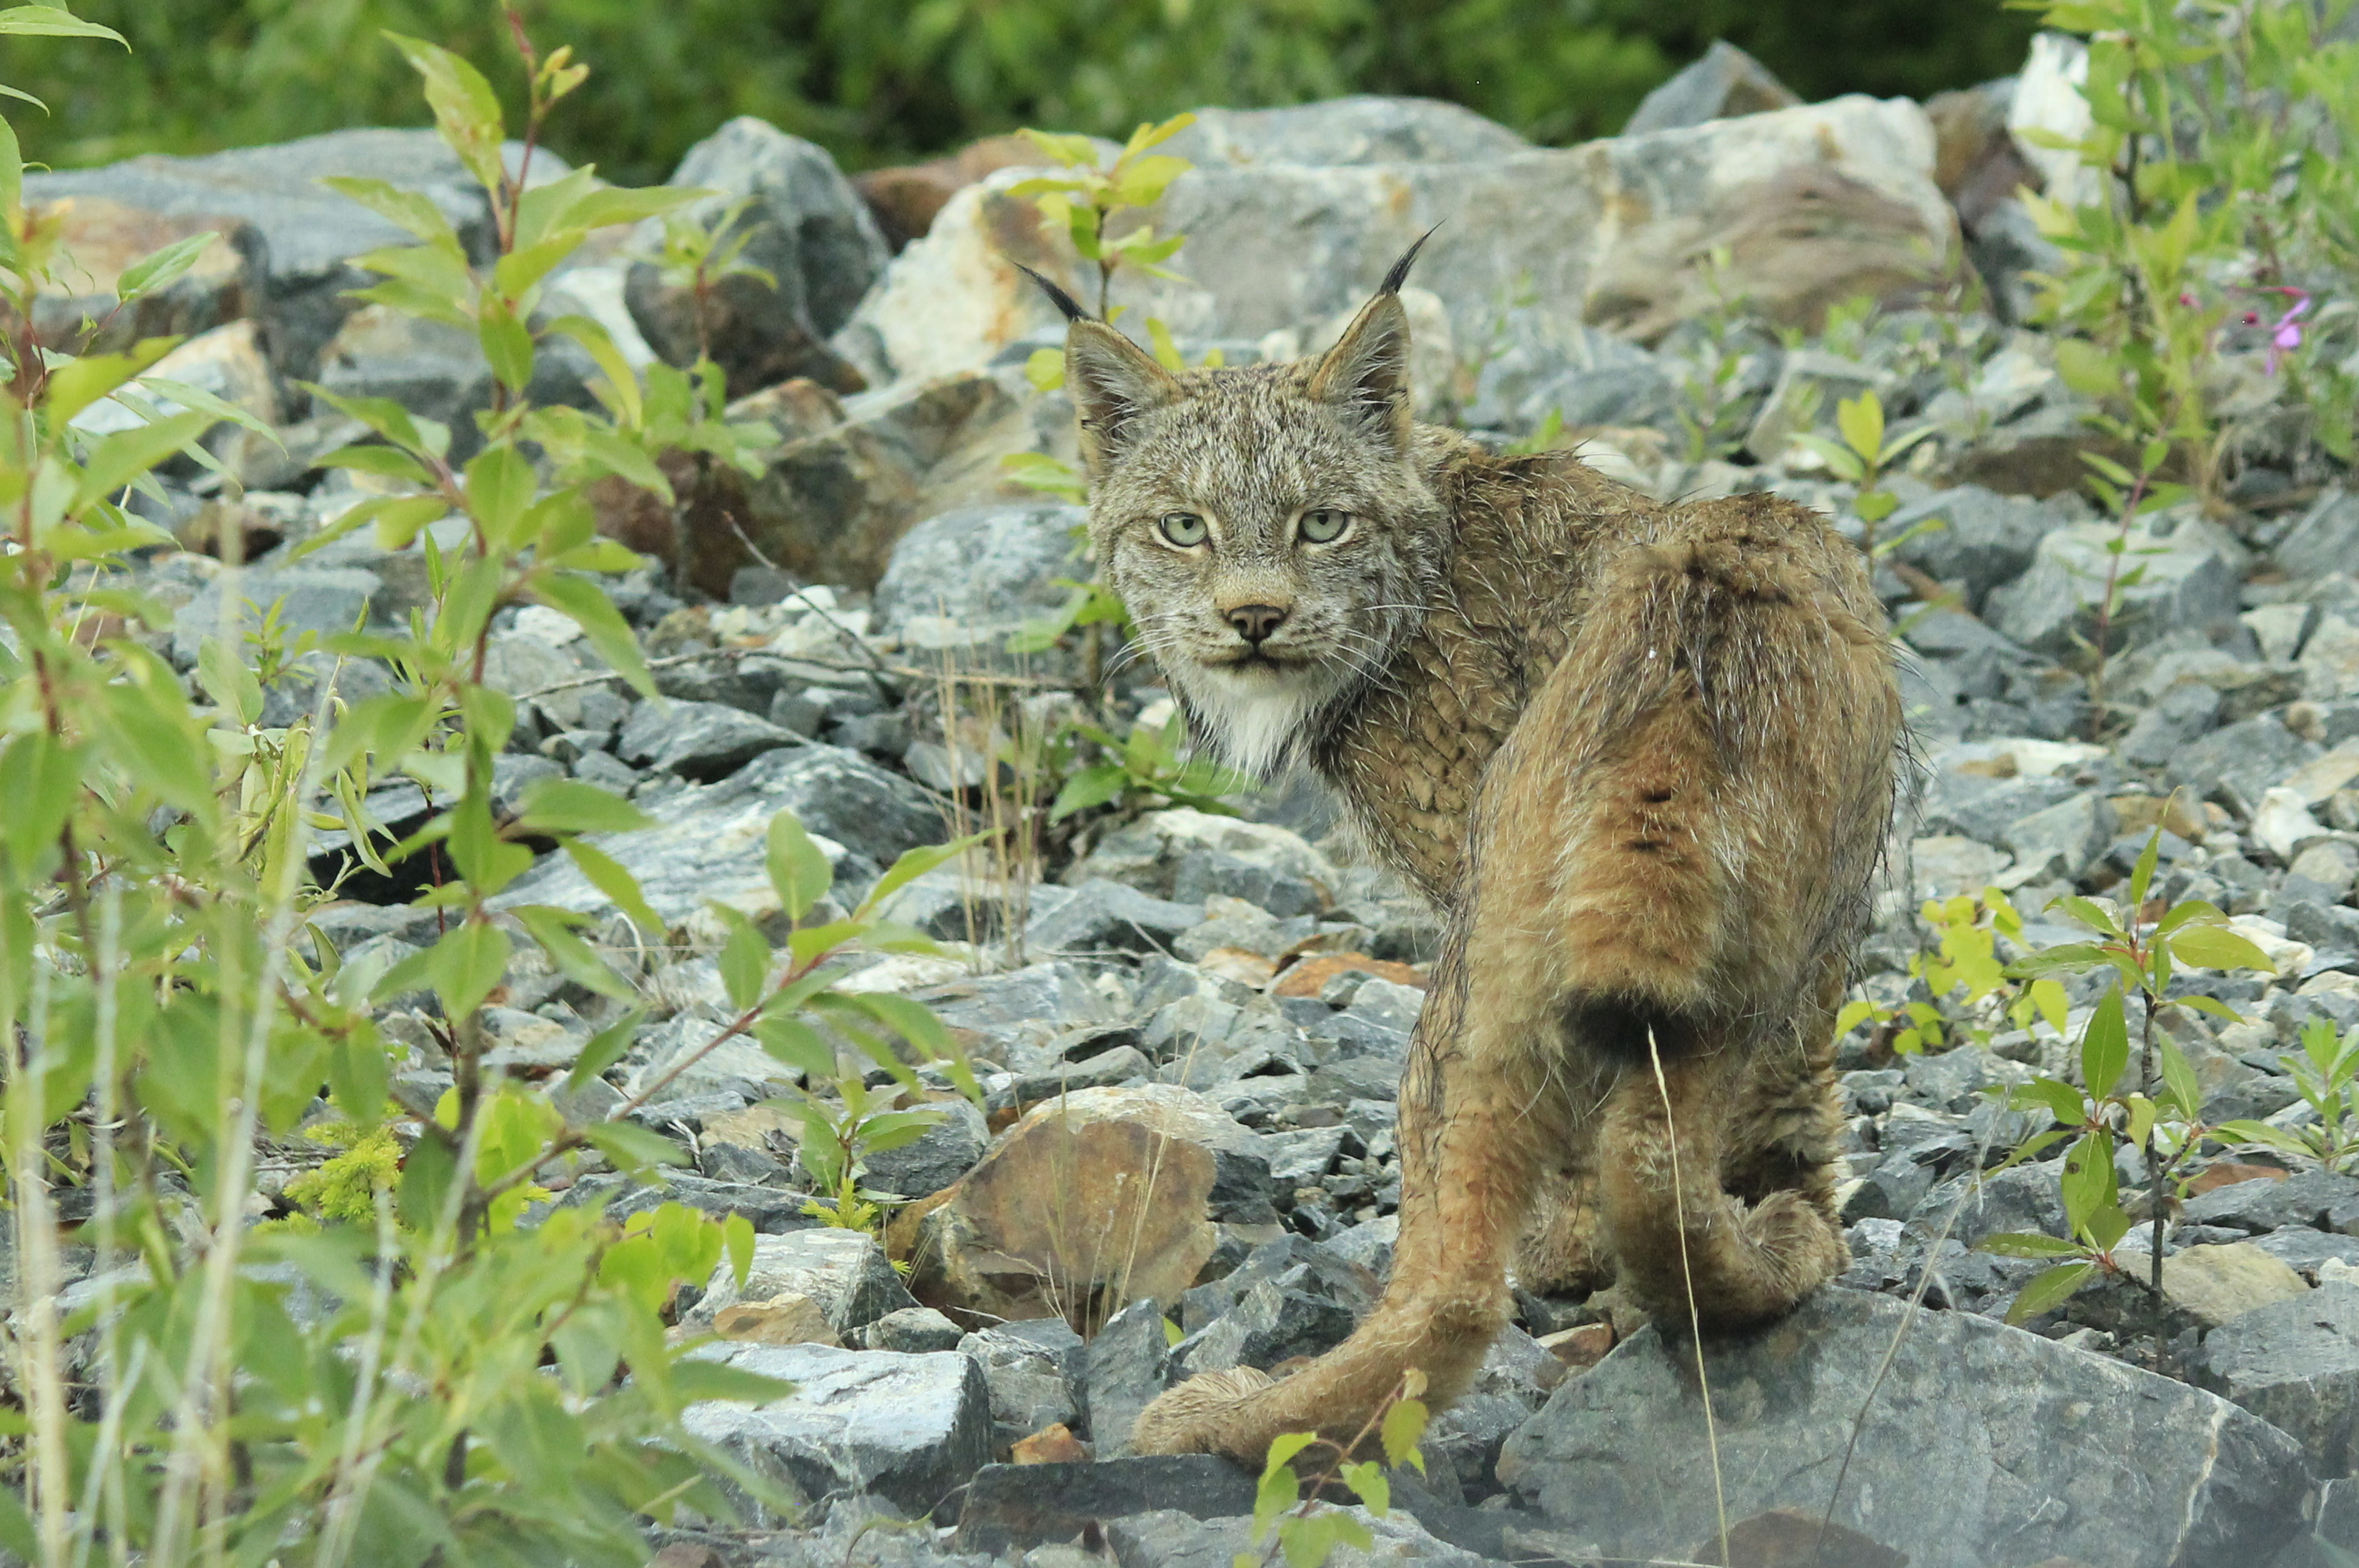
(2284, 333)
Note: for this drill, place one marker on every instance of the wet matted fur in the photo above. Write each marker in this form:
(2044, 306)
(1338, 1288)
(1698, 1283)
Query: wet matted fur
(1641, 756)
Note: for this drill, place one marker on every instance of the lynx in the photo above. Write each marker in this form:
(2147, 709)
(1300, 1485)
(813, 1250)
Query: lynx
(1641, 757)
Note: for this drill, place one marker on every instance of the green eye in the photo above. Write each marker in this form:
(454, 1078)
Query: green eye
(1323, 525)
(1183, 528)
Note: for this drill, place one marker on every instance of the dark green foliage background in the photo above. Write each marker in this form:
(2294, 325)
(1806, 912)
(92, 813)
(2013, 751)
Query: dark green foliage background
(880, 81)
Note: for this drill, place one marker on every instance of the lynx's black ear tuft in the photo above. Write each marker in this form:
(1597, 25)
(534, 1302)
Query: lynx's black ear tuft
(1065, 303)
(1399, 273)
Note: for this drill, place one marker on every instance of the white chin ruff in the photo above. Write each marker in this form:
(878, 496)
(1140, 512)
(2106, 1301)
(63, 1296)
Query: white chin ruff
(1257, 724)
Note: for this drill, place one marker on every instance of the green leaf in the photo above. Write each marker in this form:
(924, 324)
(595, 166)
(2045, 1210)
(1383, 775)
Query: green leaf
(1861, 420)
(612, 879)
(1402, 1430)
(2048, 1290)
(571, 806)
(631, 1148)
(572, 957)
(40, 780)
(744, 960)
(2058, 1098)
(2142, 876)
(1092, 786)
(1366, 1479)
(799, 867)
(2088, 1184)
(737, 1237)
(913, 864)
(507, 343)
(161, 268)
(601, 624)
(54, 22)
(2105, 1047)
(2028, 1244)
(466, 111)
(466, 965)
(227, 680)
(605, 1048)
(2216, 947)
(2178, 1080)
(122, 456)
(412, 210)
(500, 486)
(796, 1045)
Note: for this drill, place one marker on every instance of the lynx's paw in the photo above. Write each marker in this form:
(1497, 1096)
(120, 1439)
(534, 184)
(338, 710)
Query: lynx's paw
(1205, 1415)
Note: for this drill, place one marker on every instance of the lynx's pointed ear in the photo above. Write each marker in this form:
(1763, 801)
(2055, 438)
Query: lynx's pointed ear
(1113, 381)
(1367, 371)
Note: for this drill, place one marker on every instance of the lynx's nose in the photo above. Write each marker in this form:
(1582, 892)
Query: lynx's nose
(1255, 623)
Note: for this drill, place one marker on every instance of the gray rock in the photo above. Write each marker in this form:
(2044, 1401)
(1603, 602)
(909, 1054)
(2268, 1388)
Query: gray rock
(2189, 582)
(2178, 718)
(708, 838)
(1103, 915)
(2065, 839)
(701, 740)
(914, 1331)
(1344, 132)
(1303, 1312)
(2294, 1363)
(2303, 1249)
(845, 1272)
(1031, 1369)
(804, 225)
(2039, 1450)
(772, 1213)
(1973, 806)
(1151, 853)
(2243, 761)
(1723, 84)
(1985, 538)
(844, 484)
(1584, 377)
(1129, 1363)
(322, 600)
(1011, 1508)
(2320, 1200)
(1810, 386)
(943, 1155)
(2333, 1539)
(1176, 1539)
(2325, 540)
(308, 234)
(910, 1429)
(960, 584)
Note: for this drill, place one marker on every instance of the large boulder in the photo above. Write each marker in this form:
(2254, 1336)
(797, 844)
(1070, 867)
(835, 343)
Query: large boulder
(1726, 83)
(800, 222)
(1136, 1178)
(839, 489)
(1815, 204)
(910, 1429)
(1980, 1444)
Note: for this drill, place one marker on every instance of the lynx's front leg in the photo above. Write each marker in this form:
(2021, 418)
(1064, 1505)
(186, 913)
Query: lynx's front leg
(1477, 1135)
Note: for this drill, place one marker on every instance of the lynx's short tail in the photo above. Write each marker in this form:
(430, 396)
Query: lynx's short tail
(1718, 814)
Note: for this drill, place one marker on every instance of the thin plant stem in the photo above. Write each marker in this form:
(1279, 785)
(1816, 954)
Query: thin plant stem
(1687, 1272)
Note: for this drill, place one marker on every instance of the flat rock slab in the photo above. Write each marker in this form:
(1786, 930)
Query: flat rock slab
(1984, 1446)
(1010, 1509)
(910, 1429)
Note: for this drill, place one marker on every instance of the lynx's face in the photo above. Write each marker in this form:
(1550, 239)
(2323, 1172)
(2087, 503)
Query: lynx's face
(1266, 526)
